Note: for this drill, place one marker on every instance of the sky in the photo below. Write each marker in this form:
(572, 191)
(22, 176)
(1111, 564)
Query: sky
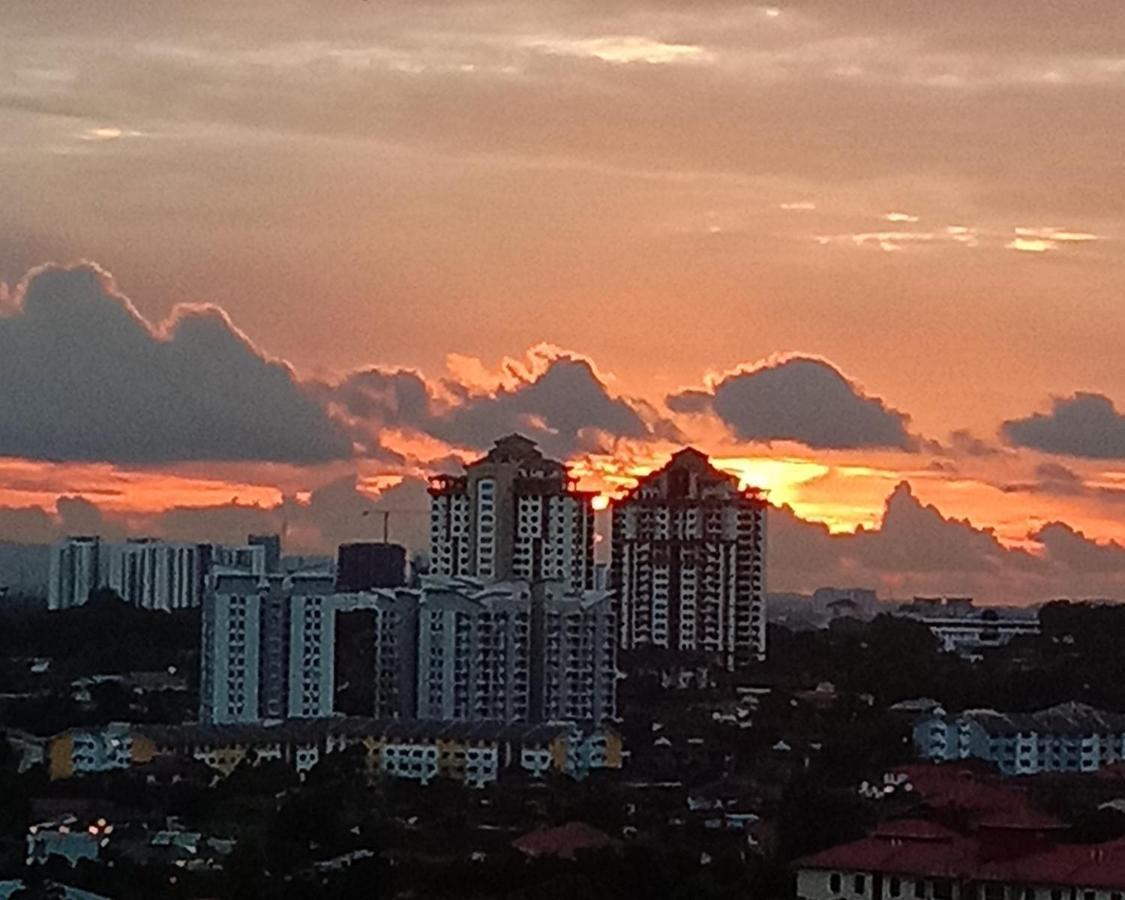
(272, 264)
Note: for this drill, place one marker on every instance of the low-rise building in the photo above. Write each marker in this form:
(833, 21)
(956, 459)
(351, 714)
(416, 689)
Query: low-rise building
(473, 753)
(1002, 860)
(1069, 737)
(82, 751)
(967, 629)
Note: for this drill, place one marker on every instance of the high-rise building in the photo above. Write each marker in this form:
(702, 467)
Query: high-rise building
(365, 565)
(77, 567)
(573, 655)
(272, 545)
(376, 653)
(688, 563)
(474, 652)
(154, 574)
(515, 652)
(514, 514)
(267, 648)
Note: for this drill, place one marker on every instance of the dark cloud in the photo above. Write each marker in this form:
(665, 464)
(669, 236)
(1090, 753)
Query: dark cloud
(918, 550)
(801, 399)
(85, 377)
(566, 408)
(1072, 549)
(1084, 424)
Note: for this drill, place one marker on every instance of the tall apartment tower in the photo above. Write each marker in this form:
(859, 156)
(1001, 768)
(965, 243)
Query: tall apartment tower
(77, 567)
(377, 653)
(474, 653)
(574, 655)
(688, 564)
(267, 648)
(154, 574)
(514, 514)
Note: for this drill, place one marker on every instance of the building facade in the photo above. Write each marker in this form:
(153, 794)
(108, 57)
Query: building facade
(474, 652)
(688, 566)
(475, 754)
(77, 567)
(514, 514)
(377, 653)
(267, 648)
(153, 574)
(1070, 737)
(574, 654)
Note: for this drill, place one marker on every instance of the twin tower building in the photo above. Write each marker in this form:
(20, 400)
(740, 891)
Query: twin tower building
(515, 621)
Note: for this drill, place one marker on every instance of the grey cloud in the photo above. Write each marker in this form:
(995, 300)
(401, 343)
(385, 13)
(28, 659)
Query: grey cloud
(1071, 548)
(805, 400)
(85, 377)
(1083, 425)
(566, 408)
(919, 550)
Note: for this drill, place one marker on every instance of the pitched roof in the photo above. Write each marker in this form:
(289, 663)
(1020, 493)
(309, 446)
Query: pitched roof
(564, 841)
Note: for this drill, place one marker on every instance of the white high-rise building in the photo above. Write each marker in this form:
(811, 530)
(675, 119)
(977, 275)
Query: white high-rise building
(574, 654)
(514, 514)
(474, 652)
(267, 648)
(688, 565)
(515, 652)
(77, 567)
(154, 574)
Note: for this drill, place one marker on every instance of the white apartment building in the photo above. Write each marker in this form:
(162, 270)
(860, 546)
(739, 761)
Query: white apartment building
(474, 651)
(267, 648)
(688, 565)
(154, 574)
(1070, 737)
(148, 573)
(574, 650)
(76, 568)
(514, 514)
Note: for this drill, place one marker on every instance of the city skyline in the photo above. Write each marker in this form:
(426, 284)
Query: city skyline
(855, 259)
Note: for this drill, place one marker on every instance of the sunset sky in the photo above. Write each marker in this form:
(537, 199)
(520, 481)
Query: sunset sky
(268, 265)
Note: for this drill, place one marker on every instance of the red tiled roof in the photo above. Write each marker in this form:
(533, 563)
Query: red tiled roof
(564, 841)
(1091, 866)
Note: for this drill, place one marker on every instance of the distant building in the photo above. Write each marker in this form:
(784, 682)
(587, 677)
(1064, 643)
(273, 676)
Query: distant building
(688, 565)
(153, 574)
(77, 567)
(364, 566)
(514, 514)
(1070, 737)
(267, 648)
(967, 629)
(250, 559)
(272, 545)
(834, 603)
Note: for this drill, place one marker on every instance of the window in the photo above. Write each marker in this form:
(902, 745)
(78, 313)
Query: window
(919, 888)
(860, 884)
(834, 882)
(943, 890)
(894, 887)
